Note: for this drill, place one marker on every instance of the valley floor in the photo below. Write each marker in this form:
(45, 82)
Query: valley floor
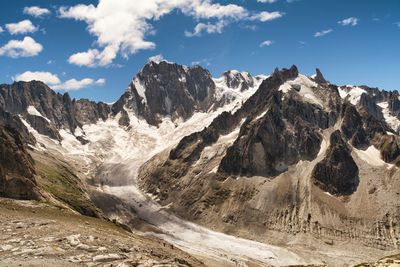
(207, 244)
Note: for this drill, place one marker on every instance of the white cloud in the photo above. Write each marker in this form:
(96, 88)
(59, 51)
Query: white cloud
(266, 43)
(322, 33)
(1, 29)
(352, 21)
(55, 83)
(204, 62)
(46, 77)
(157, 58)
(88, 58)
(121, 27)
(73, 84)
(28, 47)
(36, 11)
(24, 26)
(267, 1)
(208, 28)
(266, 16)
(101, 81)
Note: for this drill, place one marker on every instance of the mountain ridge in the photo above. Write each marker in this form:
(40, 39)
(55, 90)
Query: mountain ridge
(284, 154)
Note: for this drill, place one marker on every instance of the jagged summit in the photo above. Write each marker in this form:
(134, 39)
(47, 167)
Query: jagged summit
(238, 80)
(319, 77)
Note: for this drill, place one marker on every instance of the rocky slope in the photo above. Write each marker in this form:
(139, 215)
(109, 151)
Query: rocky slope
(36, 234)
(17, 171)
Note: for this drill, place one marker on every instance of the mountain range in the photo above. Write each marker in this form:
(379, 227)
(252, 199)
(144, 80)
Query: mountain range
(280, 169)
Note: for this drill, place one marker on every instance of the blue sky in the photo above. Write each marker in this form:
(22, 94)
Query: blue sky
(93, 50)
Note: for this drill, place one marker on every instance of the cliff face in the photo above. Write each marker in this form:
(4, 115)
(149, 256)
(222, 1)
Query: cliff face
(166, 89)
(17, 171)
(47, 111)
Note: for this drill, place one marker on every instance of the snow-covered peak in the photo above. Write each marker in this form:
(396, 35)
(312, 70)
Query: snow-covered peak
(390, 119)
(157, 59)
(226, 92)
(304, 86)
(351, 93)
(235, 79)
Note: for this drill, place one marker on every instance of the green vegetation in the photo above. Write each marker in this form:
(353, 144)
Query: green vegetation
(57, 179)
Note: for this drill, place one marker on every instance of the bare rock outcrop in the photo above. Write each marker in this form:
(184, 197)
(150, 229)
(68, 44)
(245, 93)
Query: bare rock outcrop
(337, 173)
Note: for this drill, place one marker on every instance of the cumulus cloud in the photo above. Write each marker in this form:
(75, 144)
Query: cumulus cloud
(121, 27)
(24, 26)
(36, 11)
(28, 47)
(88, 58)
(322, 33)
(54, 82)
(352, 21)
(266, 43)
(1, 29)
(73, 84)
(46, 77)
(100, 81)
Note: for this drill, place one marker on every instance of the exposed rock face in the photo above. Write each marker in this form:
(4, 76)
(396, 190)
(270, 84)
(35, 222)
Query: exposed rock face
(352, 126)
(165, 89)
(394, 103)
(371, 107)
(319, 77)
(269, 145)
(86, 111)
(389, 145)
(17, 170)
(15, 122)
(43, 126)
(60, 110)
(238, 80)
(337, 173)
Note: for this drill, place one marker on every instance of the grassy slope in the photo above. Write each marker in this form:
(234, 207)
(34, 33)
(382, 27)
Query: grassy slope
(58, 179)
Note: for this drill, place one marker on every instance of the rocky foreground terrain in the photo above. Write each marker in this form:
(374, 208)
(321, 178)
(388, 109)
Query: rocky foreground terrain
(240, 170)
(38, 234)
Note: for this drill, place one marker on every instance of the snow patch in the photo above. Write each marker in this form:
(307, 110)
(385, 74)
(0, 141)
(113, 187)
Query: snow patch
(235, 98)
(391, 120)
(371, 155)
(140, 89)
(218, 149)
(353, 93)
(33, 111)
(306, 89)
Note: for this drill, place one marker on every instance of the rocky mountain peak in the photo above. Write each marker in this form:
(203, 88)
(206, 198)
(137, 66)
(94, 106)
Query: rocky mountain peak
(286, 74)
(319, 77)
(238, 80)
(167, 89)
